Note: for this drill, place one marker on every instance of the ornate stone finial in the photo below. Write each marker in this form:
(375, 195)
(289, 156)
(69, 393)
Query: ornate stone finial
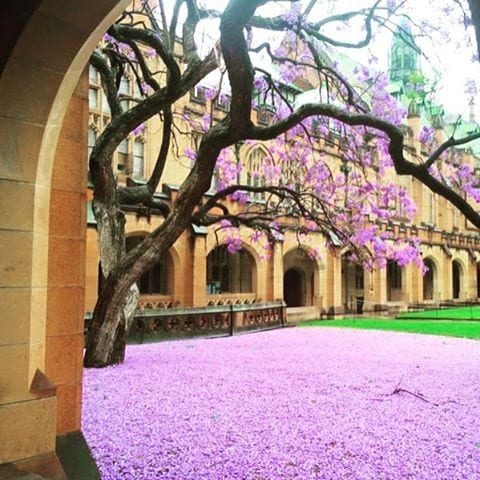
(437, 120)
(436, 114)
(413, 108)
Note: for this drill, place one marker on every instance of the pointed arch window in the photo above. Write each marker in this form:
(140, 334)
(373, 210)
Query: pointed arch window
(227, 273)
(138, 158)
(254, 172)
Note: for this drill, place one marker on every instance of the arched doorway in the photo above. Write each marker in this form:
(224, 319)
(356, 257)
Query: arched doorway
(353, 285)
(429, 280)
(300, 279)
(456, 279)
(294, 287)
(394, 282)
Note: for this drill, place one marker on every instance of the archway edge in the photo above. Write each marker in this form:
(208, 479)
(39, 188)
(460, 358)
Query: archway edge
(37, 83)
(296, 248)
(433, 261)
(214, 242)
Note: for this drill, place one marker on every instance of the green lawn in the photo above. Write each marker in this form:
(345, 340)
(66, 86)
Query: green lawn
(466, 329)
(465, 313)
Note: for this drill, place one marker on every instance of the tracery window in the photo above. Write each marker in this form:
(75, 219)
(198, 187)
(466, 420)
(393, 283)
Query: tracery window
(227, 273)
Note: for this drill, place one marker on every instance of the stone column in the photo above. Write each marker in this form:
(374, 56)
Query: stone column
(199, 291)
(333, 282)
(276, 278)
(378, 294)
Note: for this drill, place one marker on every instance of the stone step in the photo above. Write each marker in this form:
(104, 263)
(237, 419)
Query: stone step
(298, 314)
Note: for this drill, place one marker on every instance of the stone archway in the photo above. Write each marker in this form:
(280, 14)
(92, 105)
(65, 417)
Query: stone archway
(42, 227)
(300, 277)
(429, 280)
(456, 279)
(353, 285)
(294, 287)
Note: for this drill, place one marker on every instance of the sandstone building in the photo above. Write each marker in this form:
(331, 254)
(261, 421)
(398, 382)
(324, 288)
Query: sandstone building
(42, 250)
(199, 272)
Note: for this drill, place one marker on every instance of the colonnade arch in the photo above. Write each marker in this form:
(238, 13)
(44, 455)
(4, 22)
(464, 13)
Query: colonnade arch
(300, 278)
(42, 246)
(395, 281)
(353, 284)
(457, 279)
(430, 279)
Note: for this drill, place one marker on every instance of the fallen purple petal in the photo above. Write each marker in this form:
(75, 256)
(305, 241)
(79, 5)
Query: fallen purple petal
(289, 404)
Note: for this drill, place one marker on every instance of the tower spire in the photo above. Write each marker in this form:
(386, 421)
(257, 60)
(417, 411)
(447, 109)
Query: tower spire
(404, 54)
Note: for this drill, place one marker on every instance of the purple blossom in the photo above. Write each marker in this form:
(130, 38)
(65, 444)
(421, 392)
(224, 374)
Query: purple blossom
(296, 403)
(234, 244)
(206, 121)
(426, 135)
(210, 93)
(260, 83)
(140, 129)
(190, 154)
(224, 223)
(108, 38)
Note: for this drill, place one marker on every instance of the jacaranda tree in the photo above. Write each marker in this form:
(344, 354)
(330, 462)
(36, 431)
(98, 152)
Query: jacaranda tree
(346, 197)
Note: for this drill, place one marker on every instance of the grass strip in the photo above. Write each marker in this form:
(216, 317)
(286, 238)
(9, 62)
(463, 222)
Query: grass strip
(463, 329)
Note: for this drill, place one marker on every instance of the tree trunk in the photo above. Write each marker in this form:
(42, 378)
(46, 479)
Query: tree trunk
(109, 326)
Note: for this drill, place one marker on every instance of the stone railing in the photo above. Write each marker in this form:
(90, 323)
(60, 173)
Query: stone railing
(158, 324)
(155, 302)
(232, 299)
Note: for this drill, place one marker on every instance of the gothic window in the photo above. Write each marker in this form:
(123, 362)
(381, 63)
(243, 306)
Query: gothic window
(105, 105)
(93, 98)
(92, 138)
(138, 158)
(93, 75)
(197, 94)
(123, 156)
(409, 62)
(397, 58)
(255, 177)
(227, 273)
(124, 90)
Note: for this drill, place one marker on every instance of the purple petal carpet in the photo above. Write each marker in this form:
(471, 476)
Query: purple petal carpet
(297, 403)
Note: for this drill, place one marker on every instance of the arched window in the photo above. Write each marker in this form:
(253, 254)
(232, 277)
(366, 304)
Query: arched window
(397, 58)
(92, 138)
(155, 281)
(255, 176)
(227, 273)
(138, 158)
